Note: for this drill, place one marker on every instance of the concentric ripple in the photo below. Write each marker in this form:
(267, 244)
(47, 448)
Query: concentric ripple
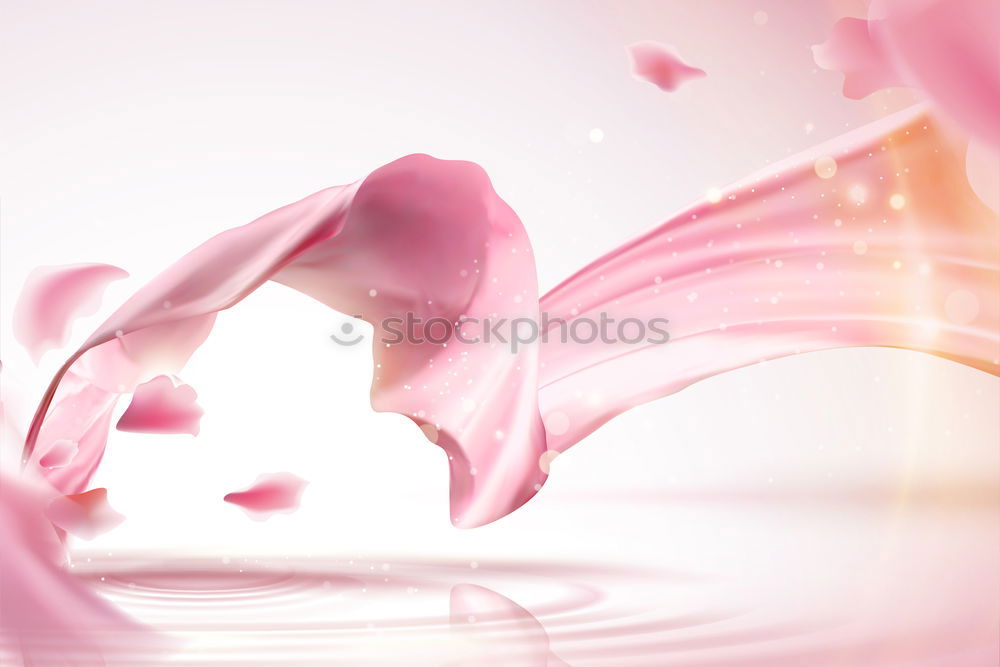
(311, 611)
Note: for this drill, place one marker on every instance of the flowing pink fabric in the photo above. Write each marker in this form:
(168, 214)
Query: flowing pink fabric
(873, 239)
(863, 241)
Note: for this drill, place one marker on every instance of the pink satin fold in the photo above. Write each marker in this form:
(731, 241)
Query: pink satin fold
(873, 239)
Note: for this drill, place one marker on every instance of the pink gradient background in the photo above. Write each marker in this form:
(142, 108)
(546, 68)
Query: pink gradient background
(850, 496)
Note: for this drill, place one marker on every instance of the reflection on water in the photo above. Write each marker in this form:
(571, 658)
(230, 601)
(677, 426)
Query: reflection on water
(387, 612)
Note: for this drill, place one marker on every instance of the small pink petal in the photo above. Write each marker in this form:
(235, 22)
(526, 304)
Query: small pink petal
(660, 65)
(47, 615)
(86, 515)
(54, 296)
(855, 50)
(160, 407)
(272, 493)
(948, 49)
(60, 454)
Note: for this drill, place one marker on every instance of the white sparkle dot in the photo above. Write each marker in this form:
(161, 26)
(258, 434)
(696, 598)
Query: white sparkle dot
(897, 202)
(556, 423)
(713, 195)
(596, 135)
(825, 167)
(858, 194)
(546, 458)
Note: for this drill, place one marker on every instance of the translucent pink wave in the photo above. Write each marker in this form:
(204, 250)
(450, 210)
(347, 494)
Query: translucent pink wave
(873, 239)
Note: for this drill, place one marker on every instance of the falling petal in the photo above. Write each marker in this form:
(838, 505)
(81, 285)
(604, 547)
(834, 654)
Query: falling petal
(945, 48)
(85, 515)
(53, 617)
(852, 50)
(160, 407)
(660, 65)
(272, 493)
(53, 297)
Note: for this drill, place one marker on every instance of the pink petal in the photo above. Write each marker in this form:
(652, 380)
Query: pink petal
(660, 65)
(81, 413)
(946, 48)
(160, 407)
(59, 454)
(272, 493)
(86, 515)
(853, 50)
(51, 616)
(949, 49)
(54, 296)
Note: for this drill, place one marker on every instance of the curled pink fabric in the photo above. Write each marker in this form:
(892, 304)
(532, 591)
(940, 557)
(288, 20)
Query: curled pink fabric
(862, 241)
